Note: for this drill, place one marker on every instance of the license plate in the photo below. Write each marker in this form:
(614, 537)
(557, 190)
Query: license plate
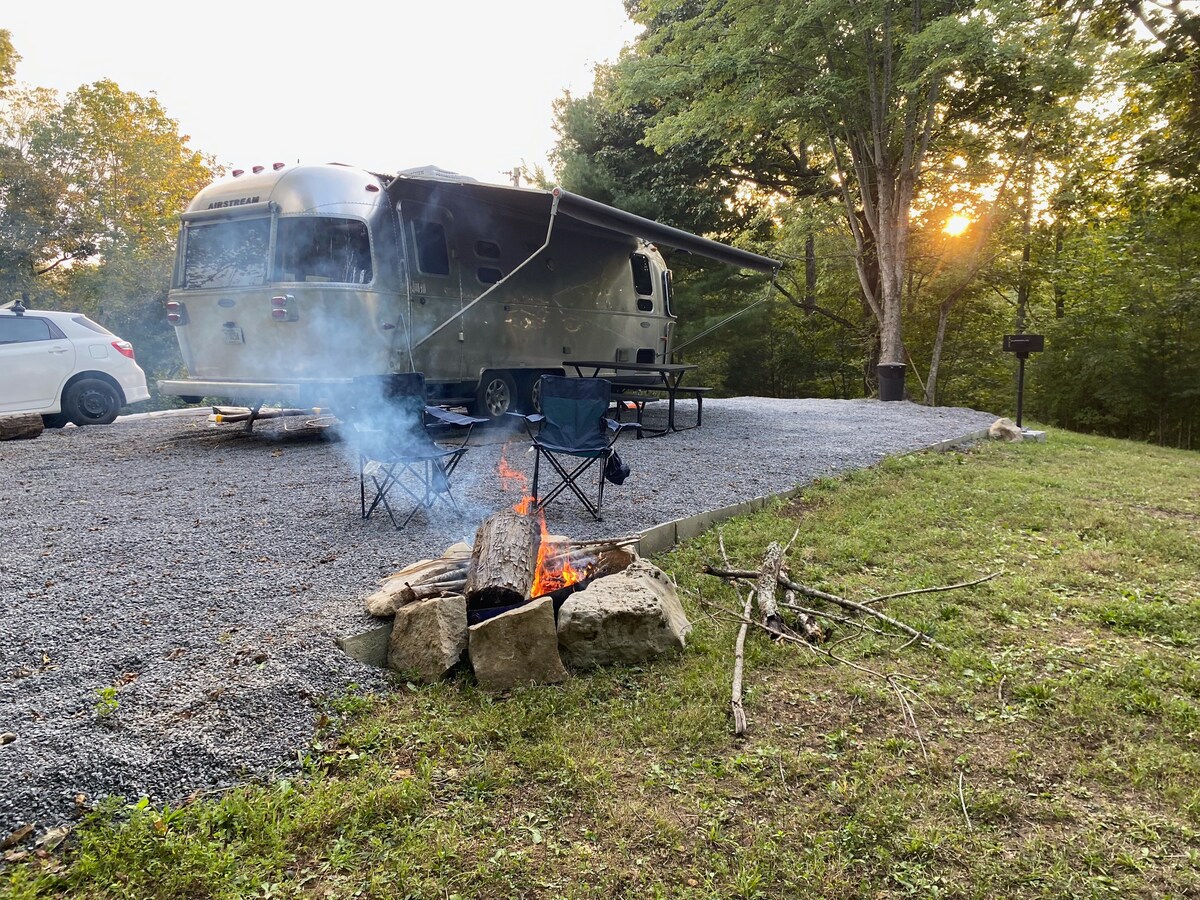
(233, 335)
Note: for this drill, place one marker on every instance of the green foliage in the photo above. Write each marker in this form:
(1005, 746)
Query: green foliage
(90, 193)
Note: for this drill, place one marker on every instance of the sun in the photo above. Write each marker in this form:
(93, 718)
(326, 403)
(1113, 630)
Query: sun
(956, 225)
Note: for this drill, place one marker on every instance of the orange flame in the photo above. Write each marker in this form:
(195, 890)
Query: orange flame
(554, 570)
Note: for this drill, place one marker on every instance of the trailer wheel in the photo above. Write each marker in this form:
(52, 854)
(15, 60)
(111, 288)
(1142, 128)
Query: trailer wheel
(496, 395)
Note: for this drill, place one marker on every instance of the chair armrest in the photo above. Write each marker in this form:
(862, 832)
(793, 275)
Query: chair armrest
(447, 417)
(529, 419)
(619, 427)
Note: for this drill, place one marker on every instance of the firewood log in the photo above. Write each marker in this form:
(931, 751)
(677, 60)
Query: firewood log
(503, 561)
(20, 426)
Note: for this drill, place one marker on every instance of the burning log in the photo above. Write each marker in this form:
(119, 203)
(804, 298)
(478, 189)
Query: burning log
(504, 560)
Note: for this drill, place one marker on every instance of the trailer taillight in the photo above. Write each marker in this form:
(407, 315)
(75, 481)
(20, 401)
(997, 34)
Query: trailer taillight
(124, 348)
(282, 310)
(176, 313)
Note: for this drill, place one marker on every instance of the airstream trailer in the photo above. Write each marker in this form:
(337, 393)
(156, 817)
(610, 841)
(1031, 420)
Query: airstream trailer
(291, 281)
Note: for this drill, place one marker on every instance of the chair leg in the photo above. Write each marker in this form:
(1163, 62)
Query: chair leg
(568, 479)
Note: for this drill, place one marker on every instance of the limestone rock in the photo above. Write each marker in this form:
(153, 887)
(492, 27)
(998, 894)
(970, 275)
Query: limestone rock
(429, 637)
(1004, 430)
(631, 617)
(517, 647)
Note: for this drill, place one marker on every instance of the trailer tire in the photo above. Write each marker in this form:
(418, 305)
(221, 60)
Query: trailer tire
(496, 396)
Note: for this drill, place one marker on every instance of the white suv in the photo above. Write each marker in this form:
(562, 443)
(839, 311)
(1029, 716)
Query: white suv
(65, 367)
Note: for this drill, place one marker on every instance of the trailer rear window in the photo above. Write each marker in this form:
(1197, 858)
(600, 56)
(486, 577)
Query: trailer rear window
(226, 254)
(323, 249)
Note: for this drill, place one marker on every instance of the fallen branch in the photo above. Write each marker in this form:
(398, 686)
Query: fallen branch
(930, 590)
(830, 598)
(739, 652)
(765, 587)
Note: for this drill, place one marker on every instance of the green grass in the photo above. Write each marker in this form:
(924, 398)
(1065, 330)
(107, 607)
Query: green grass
(1068, 704)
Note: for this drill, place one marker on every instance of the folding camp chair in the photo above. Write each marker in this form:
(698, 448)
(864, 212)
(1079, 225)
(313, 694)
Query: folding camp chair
(396, 452)
(574, 435)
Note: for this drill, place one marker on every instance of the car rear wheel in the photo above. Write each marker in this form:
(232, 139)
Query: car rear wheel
(91, 401)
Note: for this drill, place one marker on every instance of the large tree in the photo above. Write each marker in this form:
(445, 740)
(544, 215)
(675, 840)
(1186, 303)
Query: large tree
(867, 89)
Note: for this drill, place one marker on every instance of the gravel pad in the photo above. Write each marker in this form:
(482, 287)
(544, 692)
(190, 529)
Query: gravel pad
(204, 573)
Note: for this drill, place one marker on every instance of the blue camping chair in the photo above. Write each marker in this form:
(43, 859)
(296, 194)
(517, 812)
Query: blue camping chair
(396, 451)
(574, 435)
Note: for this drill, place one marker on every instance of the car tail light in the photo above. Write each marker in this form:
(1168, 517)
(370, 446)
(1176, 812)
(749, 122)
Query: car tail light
(176, 313)
(124, 348)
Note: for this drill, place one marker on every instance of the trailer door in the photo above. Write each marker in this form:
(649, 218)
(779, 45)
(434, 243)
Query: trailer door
(434, 289)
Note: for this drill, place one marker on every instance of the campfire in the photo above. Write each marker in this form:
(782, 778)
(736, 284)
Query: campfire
(519, 595)
(558, 566)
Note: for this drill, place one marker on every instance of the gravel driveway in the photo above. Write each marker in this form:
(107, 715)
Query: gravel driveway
(204, 574)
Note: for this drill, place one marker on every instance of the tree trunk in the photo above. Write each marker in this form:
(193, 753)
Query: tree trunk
(503, 561)
(935, 359)
(20, 426)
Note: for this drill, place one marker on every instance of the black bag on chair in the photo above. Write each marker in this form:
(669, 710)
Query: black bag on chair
(616, 470)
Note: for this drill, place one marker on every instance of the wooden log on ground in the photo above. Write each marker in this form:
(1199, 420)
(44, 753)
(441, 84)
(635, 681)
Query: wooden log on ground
(503, 560)
(764, 589)
(20, 426)
(739, 664)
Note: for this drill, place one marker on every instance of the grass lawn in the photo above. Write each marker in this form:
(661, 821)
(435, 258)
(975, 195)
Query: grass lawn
(1055, 753)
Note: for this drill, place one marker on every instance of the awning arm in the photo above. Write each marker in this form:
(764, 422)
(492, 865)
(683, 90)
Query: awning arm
(727, 320)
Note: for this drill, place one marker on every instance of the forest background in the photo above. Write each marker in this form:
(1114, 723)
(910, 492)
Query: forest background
(934, 174)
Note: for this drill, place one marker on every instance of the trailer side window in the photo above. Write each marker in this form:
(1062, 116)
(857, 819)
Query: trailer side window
(487, 250)
(323, 249)
(226, 254)
(668, 295)
(432, 256)
(643, 282)
(488, 275)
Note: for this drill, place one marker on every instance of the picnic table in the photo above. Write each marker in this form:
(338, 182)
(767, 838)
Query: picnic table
(635, 380)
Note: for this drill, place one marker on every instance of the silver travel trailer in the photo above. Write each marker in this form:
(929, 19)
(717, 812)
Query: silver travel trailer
(291, 281)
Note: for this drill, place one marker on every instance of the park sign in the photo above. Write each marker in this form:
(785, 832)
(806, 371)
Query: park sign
(1024, 343)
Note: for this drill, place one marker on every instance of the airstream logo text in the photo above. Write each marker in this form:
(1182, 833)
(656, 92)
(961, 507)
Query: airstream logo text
(240, 201)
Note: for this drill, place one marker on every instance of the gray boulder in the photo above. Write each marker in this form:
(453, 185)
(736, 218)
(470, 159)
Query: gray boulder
(516, 648)
(630, 617)
(429, 637)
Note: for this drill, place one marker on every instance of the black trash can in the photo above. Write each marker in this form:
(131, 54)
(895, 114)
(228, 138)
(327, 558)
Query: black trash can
(891, 381)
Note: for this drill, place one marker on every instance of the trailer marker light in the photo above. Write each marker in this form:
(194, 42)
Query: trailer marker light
(277, 166)
(237, 172)
(279, 302)
(372, 188)
(256, 169)
(175, 312)
(279, 315)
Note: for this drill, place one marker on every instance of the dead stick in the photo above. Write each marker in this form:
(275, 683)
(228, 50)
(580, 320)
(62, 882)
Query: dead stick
(930, 590)
(739, 651)
(425, 591)
(830, 598)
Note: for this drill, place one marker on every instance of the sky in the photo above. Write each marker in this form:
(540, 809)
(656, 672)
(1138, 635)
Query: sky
(467, 85)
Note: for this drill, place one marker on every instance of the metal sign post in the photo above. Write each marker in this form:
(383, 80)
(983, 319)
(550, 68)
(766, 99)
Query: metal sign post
(1022, 345)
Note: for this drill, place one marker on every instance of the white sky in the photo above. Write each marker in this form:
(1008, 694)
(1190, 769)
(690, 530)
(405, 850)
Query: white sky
(463, 84)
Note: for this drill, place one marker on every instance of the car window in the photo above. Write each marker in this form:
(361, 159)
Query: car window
(90, 325)
(18, 329)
